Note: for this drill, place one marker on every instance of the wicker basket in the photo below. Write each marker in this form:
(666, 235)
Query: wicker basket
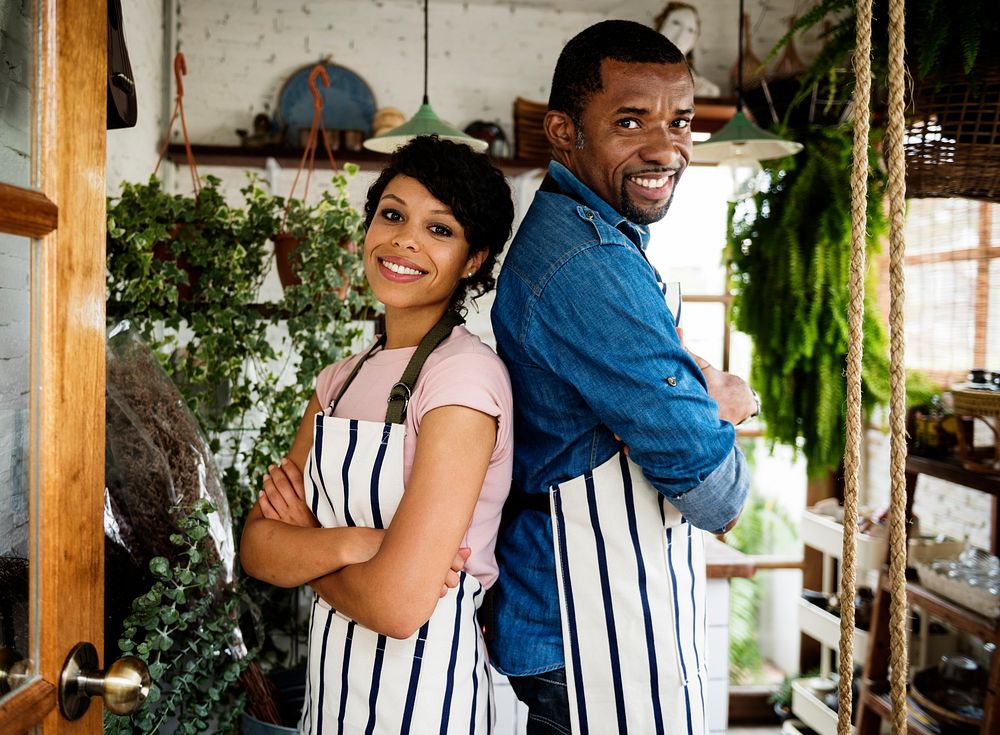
(974, 598)
(529, 130)
(953, 138)
(972, 402)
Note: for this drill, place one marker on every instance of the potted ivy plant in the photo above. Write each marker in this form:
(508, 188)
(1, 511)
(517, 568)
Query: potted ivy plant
(319, 230)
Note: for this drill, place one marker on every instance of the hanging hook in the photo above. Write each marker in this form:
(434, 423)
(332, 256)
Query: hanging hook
(180, 69)
(318, 71)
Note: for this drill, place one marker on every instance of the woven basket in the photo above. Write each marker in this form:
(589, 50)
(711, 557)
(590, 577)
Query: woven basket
(529, 130)
(953, 138)
(976, 402)
(974, 598)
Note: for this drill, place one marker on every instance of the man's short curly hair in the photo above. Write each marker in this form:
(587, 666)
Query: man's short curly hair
(473, 188)
(578, 71)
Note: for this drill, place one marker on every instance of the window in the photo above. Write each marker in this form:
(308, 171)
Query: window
(952, 267)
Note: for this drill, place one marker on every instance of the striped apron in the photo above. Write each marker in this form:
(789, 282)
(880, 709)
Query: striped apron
(631, 577)
(359, 681)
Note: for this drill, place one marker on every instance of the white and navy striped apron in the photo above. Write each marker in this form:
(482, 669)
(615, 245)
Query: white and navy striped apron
(359, 681)
(631, 576)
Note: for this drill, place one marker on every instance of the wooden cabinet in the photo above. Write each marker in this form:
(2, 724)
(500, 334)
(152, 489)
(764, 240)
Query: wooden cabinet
(873, 706)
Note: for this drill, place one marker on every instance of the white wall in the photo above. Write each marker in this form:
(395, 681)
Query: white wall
(132, 152)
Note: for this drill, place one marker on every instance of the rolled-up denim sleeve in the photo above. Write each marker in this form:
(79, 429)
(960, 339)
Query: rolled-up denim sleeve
(718, 500)
(602, 323)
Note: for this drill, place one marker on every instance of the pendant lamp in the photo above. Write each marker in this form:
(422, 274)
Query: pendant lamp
(740, 145)
(424, 122)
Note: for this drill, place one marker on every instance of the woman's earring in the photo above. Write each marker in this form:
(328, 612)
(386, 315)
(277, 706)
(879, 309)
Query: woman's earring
(470, 274)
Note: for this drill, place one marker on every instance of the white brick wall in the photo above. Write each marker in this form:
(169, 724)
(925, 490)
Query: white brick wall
(941, 507)
(132, 152)
(482, 56)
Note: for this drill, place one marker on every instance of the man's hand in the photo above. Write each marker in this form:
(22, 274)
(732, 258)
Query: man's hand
(736, 401)
(457, 565)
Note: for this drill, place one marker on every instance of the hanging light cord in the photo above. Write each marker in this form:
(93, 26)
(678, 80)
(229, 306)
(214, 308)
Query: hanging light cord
(739, 64)
(426, 100)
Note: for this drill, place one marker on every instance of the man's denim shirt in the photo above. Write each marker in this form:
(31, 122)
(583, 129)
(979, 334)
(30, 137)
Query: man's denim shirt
(592, 352)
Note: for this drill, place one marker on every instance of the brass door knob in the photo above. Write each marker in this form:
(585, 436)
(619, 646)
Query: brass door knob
(124, 685)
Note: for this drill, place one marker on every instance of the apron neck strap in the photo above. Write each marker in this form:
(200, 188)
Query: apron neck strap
(400, 394)
(379, 343)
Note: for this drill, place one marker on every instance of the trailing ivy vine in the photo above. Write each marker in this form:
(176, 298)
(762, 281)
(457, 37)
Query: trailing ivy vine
(789, 248)
(176, 628)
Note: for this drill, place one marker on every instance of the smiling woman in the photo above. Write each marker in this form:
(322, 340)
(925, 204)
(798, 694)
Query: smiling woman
(392, 514)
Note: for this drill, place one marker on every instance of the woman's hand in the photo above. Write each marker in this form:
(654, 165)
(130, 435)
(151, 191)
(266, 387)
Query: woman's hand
(284, 498)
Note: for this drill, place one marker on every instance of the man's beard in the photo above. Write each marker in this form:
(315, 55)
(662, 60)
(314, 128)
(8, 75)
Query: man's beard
(638, 216)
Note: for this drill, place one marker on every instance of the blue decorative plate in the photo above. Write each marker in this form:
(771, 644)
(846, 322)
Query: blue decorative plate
(348, 103)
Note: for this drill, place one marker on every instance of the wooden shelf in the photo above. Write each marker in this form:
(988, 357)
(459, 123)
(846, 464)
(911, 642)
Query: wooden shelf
(826, 534)
(824, 627)
(250, 157)
(953, 471)
(812, 710)
(880, 703)
(951, 612)
(874, 705)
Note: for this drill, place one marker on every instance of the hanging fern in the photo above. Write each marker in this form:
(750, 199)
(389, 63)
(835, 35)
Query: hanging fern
(789, 249)
(941, 38)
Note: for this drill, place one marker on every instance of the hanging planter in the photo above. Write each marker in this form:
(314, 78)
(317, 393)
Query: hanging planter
(285, 245)
(952, 138)
(300, 222)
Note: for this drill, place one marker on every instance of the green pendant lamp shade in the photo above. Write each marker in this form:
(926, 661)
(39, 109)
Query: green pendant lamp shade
(740, 138)
(425, 122)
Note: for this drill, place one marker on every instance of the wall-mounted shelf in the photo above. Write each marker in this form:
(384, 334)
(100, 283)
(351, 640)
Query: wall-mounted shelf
(257, 157)
(711, 115)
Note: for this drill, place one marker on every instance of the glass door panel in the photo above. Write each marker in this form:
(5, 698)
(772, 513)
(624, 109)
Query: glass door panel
(18, 32)
(16, 640)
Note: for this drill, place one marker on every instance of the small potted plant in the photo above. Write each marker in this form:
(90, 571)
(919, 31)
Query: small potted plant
(318, 231)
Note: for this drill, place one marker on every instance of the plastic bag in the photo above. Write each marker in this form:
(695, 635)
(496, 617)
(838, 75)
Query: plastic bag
(157, 461)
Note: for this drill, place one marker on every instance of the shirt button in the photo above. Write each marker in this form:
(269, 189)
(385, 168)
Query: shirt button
(671, 381)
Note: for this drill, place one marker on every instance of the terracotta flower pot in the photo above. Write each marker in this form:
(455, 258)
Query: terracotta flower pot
(162, 252)
(285, 246)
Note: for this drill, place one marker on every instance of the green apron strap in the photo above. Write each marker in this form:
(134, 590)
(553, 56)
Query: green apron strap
(400, 394)
(380, 342)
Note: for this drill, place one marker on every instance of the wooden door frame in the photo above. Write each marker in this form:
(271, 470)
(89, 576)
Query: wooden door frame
(67, 428)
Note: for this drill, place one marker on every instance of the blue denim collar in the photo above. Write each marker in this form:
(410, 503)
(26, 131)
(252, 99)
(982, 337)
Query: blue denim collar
(577, 190)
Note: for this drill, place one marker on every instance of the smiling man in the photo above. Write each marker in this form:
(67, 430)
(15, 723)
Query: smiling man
(624, 442)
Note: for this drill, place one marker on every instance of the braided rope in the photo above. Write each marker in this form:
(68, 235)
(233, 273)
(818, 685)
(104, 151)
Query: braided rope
(897, 376)
(852, 453)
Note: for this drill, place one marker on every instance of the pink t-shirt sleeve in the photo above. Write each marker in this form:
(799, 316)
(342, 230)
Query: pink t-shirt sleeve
(473, 379)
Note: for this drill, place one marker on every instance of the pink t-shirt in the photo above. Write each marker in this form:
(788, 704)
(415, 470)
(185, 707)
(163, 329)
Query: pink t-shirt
(461, 371)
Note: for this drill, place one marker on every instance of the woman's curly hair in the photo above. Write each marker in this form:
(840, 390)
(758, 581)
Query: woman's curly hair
(473, 188)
